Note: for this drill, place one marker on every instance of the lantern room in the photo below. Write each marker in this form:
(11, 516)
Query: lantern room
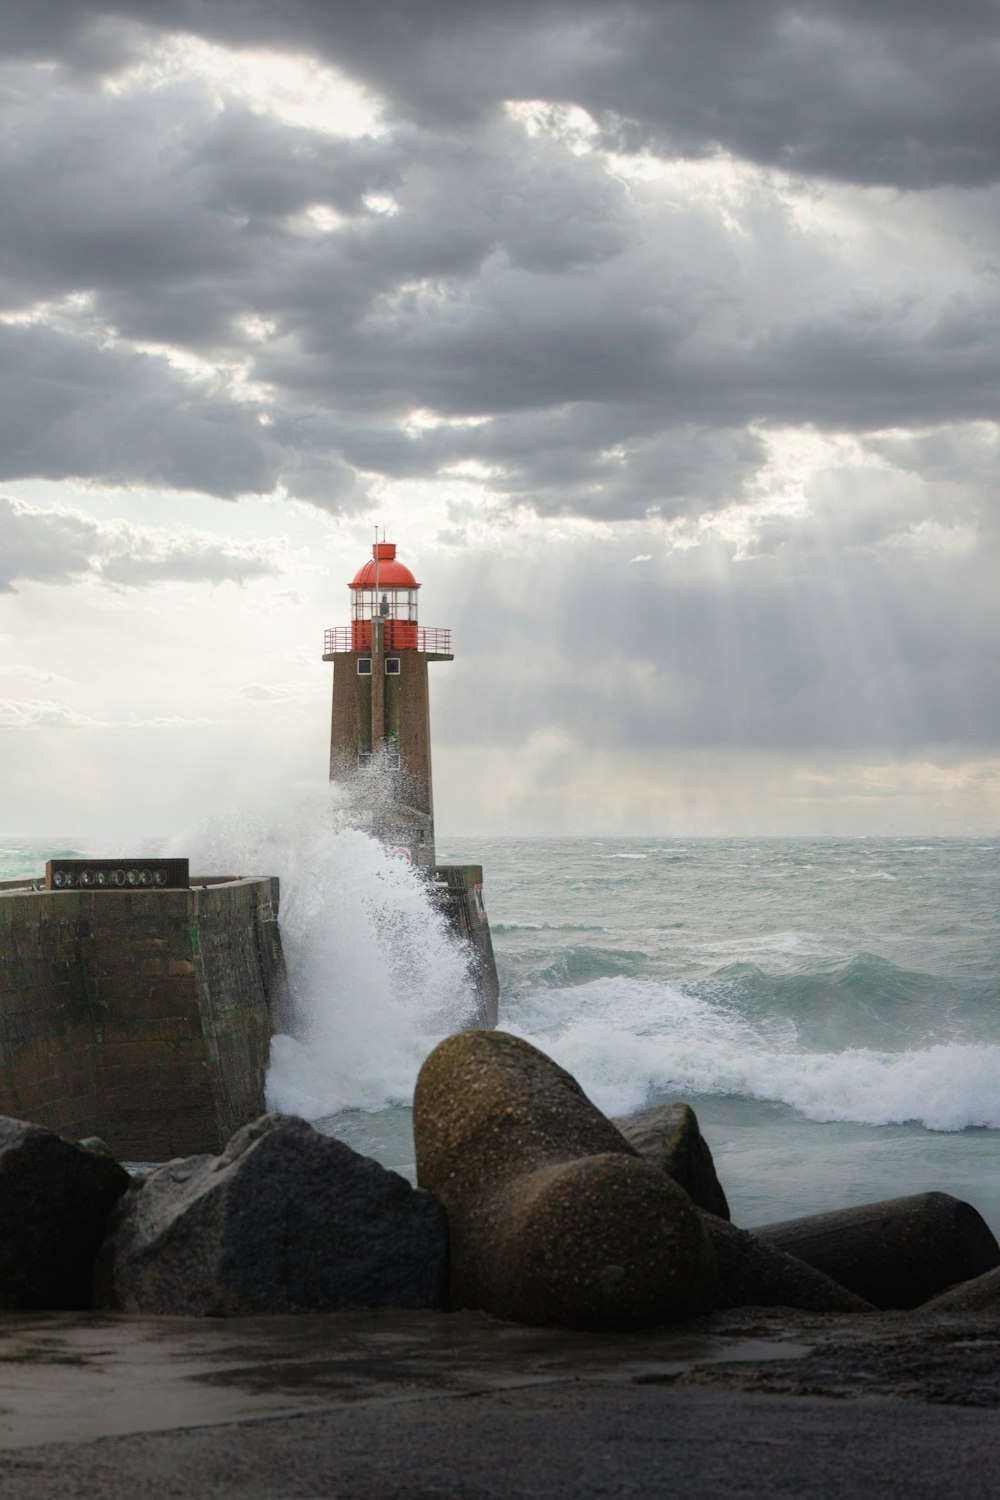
(384, 589)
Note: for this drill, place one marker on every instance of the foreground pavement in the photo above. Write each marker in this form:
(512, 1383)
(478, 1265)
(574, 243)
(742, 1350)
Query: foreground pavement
(457, 1407)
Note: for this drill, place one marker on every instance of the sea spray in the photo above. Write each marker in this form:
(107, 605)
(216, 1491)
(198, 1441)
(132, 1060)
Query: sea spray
(375, 976)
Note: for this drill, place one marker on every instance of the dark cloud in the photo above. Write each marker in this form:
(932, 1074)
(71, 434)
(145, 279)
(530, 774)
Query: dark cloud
(891, 95)
(508, 342)
(171, 215)
(618, 357)
(56, 546)
(899, 95)
(69, 407)
(874, 367)
(43, 546)
(607, 462)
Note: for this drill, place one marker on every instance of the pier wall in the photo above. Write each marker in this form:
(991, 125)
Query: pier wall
(458, 892)
(141, 1016)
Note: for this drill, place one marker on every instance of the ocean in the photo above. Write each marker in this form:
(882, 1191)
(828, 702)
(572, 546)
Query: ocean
(829, 1007)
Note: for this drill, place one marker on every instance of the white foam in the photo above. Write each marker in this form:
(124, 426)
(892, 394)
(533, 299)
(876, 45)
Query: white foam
(625, 1040)
(947, 1087)
(375, 976)
(773, 945)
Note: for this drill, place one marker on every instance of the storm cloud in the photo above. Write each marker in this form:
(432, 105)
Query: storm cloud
(483, 265)
(56, 546)
(890, 94)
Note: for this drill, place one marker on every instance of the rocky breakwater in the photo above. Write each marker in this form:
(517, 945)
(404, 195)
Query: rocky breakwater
(555, 1216)
(283, 1219)
(55, 1200)
(532, 1206)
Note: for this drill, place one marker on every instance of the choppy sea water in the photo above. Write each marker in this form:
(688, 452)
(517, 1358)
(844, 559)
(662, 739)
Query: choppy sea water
(831, 1008)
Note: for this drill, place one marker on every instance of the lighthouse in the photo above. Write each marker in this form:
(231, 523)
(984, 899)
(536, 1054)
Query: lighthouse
(380, 738)
(380, 745)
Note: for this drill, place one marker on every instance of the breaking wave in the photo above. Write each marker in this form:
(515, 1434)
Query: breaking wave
(628, 1040)
(375, 976)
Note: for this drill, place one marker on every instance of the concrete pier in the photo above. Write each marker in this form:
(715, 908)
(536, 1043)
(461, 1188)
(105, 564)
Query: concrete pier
(140, 1016)
(410, 1406)
(458, 891)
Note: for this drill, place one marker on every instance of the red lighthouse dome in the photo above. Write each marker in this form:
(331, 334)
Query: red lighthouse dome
(383, 571)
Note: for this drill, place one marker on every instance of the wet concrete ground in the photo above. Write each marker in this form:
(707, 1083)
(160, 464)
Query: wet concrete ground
(424, 1405)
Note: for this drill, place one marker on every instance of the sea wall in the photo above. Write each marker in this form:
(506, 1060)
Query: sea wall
(141, 1016)
(458, 892)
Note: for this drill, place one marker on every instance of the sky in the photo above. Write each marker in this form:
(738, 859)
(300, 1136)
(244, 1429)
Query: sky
(663, 338)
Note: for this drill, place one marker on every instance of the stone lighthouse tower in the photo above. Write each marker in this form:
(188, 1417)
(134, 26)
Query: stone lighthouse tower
(381, 711)
(380, 745)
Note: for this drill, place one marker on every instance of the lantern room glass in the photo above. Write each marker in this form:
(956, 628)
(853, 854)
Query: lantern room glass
(396, 608)
(386, 604)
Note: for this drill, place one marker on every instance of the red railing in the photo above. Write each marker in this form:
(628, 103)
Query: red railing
(432, 639)
(357, 637)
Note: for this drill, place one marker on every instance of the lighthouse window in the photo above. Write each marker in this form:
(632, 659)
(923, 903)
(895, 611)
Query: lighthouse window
(364, 759)
(392, 666)
(392, 760)
(364, 666)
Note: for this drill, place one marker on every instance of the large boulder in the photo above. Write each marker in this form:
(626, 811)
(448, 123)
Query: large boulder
(981, 1294)
(668, 1136)
(896, 1253)
(285, 1219)
(55, 1199)
(554, 1219)
(752, 1273)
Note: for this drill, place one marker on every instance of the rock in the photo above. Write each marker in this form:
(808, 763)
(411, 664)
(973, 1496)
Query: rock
(94, 1144)
(752, 1273)
(896, 1253)
(55, 1200)
(284, 1219)
(553, 1218)
(981, 1294)
(668, 1136)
